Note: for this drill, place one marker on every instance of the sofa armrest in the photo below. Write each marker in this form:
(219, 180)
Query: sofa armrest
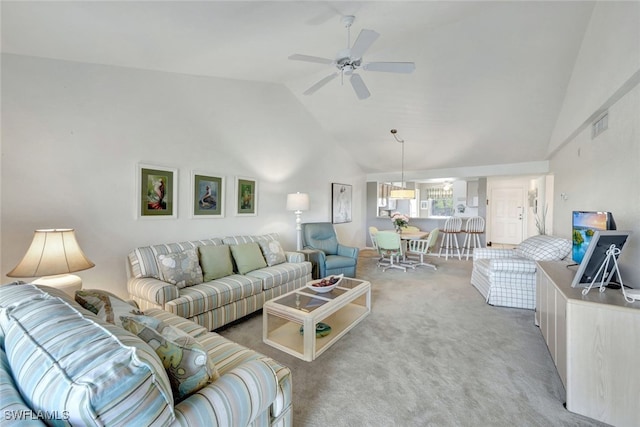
(512, 265)
(349, 251)
(294, 256)
(234, 399)
(153, 290)
(490, 253)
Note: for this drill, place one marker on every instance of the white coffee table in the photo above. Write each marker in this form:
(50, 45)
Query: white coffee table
(342, 309)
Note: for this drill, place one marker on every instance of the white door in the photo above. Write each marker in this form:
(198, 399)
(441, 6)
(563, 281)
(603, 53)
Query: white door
(507, 210)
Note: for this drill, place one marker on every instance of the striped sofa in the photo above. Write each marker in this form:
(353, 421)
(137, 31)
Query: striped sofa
(63, 365)
(214, 303)
(507, 277)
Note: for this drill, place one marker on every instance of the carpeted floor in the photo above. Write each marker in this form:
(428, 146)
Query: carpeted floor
(431, 353)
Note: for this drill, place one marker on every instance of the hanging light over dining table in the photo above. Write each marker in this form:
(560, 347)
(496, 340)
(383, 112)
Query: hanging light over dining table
(402, 193)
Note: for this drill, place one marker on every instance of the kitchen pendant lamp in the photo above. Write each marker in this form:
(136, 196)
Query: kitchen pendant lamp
(402, 193)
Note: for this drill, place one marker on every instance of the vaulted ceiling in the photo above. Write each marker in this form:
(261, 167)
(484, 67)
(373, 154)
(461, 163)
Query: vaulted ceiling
(489, 82)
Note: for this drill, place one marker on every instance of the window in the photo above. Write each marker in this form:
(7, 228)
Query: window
(439, 201)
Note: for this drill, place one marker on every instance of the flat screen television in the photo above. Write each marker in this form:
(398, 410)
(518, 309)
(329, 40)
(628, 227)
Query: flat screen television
(595, 255)
(584, 224)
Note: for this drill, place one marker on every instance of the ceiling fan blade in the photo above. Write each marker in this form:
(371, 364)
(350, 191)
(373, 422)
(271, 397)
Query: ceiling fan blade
(363, 42)
(321, 83)
(358, 85)
(390, 67)
(307, 58)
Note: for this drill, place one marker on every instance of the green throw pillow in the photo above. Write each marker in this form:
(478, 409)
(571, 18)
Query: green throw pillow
(105, 305)
(248, 257)
(186, 361)
(215, 261)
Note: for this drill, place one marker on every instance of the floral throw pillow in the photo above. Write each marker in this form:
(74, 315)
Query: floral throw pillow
(186, 361)
(181, 268)
(273, 252)
(105, 305)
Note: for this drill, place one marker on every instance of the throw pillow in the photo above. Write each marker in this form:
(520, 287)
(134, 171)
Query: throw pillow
(248, 257)
(185, 359)
(273, 252)
(105, 305)
(215, 261)
(181, 268)
(544, 248)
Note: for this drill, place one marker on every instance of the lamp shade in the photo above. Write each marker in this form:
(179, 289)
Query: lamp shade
(52, 252)
(298, 202)
(402, 194)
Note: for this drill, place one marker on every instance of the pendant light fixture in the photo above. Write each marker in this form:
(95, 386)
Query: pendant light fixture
(402, 193)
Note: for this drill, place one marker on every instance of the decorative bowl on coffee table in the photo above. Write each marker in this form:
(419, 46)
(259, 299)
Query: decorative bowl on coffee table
(316, 284)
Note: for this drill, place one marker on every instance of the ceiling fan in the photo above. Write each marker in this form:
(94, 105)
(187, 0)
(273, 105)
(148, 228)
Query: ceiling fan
(349, 60)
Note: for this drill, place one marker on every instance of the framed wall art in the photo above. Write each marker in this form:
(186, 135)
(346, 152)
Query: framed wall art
(246, 196)
(157, 192)
(340, 203)
(207, 195)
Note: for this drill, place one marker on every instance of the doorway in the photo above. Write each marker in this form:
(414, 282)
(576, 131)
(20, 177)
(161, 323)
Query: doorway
(507, 214)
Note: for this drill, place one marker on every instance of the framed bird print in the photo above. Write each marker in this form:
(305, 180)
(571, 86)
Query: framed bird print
(157, 192)
(208, 194)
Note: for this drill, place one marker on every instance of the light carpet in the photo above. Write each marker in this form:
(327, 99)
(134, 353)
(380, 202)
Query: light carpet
(431, 353)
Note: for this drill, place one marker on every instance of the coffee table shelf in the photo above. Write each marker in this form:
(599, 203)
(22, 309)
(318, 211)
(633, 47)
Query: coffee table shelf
(342, 309)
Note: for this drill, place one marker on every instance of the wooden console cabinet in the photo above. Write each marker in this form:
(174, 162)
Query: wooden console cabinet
(594, 341)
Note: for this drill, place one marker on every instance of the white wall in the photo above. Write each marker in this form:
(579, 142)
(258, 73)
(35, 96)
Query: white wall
(602, 174)
(609, 57)
(72, 135)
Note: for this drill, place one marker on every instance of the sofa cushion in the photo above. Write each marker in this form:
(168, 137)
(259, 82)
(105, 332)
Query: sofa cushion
(208, 296)
(74, 363)
(273, 252)
(544, 248)
(248, 257)
(186, 361)
(215, 262)
(105, 305)
(280, 274)
(181, 268)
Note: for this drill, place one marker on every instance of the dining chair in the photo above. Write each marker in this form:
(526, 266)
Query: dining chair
(390, 249)
(452, 227)
(423, 247)
(473, 229)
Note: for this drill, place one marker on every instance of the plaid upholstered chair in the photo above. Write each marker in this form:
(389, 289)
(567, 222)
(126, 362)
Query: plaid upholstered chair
(507, 277)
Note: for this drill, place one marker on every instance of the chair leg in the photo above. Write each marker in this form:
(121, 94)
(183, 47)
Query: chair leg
(426, 264)
(394, 265)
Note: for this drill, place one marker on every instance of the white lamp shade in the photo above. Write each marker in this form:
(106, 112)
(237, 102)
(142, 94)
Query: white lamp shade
(298, 202)
(52, 252)
(402, 194)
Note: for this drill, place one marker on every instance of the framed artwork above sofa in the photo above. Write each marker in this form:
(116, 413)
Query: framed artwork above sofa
(157, 192)
(208, 194)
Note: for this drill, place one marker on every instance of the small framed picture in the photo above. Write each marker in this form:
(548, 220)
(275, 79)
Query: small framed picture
(424, 204)
(340, 203)
(157, 192)
(246, 196)
(208, 195)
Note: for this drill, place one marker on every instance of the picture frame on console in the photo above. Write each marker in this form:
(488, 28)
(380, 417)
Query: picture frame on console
(246, 196)
(341, 195)
(157, 192)
(208, 193)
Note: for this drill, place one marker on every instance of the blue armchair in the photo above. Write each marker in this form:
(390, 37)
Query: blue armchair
(331, 257)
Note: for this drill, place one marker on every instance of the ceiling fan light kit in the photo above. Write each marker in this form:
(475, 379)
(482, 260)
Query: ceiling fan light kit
(349, 60)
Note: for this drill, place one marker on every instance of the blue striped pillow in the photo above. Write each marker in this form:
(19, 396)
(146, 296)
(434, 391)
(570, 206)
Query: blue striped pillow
(66, 362)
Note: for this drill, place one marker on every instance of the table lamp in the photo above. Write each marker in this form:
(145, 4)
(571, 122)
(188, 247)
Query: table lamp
(298, 202)
(54, 254)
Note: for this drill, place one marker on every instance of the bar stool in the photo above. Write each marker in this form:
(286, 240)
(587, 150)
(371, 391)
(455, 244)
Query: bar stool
(474, 228)
(452, 227)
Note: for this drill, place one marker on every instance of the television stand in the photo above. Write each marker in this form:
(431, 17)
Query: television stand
(593, 340)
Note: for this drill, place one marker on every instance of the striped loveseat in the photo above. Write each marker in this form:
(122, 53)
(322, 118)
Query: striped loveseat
(214, 303)
(63, 365)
